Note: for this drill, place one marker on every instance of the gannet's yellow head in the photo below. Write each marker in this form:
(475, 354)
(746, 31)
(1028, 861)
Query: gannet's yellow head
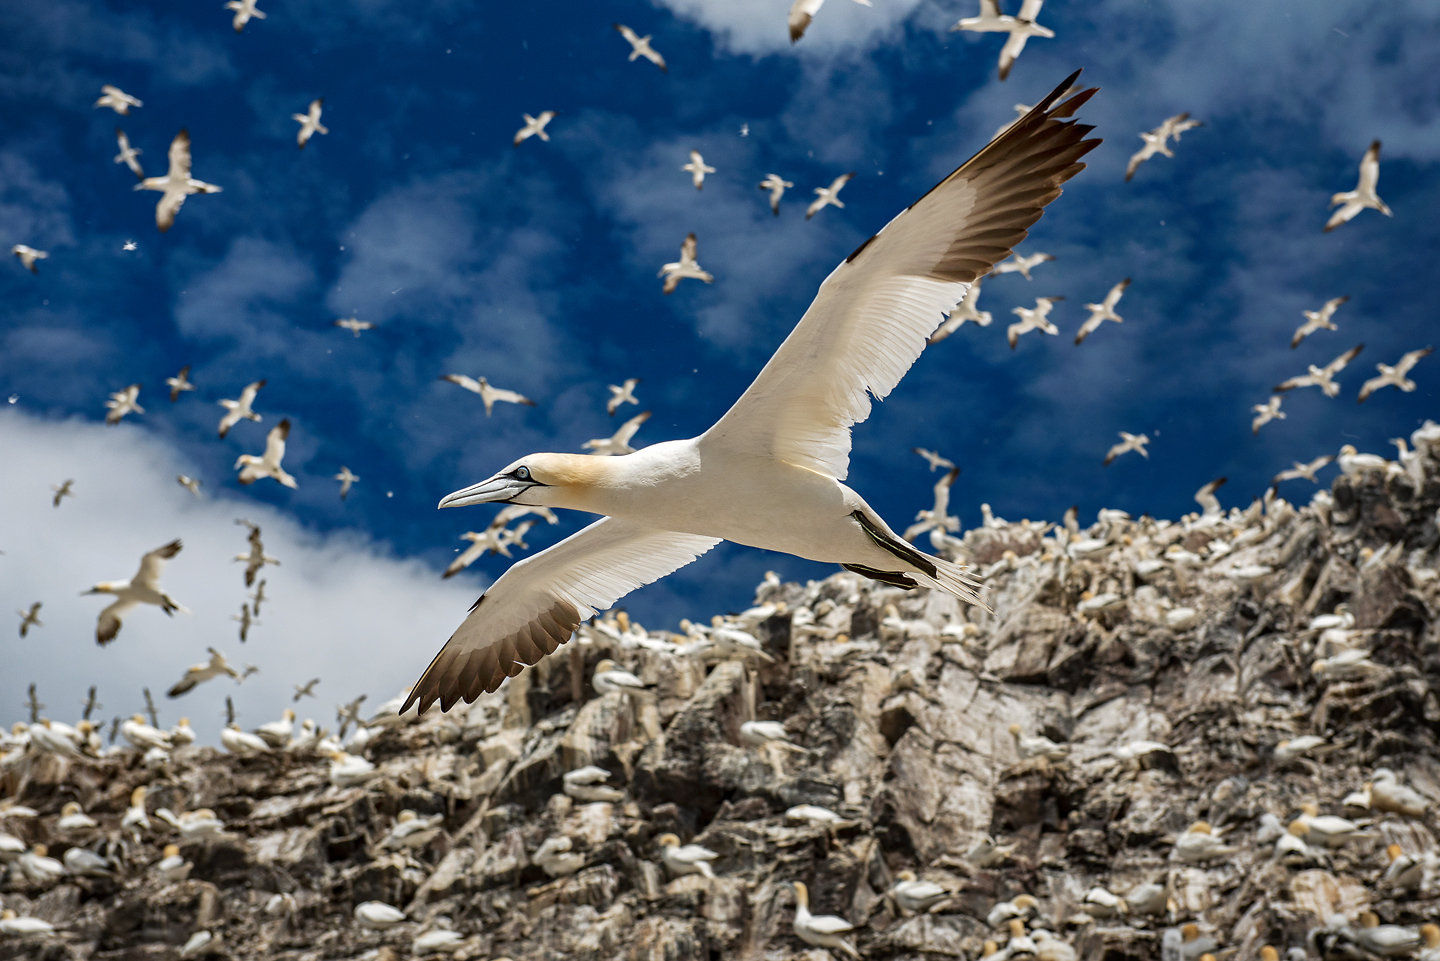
(40, 850)
(1017, 928)
(1025, 902)
(72, 808)
(138, 718)
(171, 850)
(1190, 932)
(1369, 919)
(1268, 953)
(406, 816)
(104, 587)
(668, 841)
(1310, 809)
(604, 666)
(1393, 852)
(905, 876)
(537, 480)
(989, 948)
(289, 715)
(137, 796)
(802, 895)
(1199, 827)
(1431, 934)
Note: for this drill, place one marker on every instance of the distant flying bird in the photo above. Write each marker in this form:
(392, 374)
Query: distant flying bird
(640, 47)
(354, 325)
(1351, 202)
(487, 393)
(305, 690)
(966, 310)
(1322, 376)
(534, 127)
(1205, 497)
(123, 402)
(309, 123)
(200, 673)
(177, 184)
(489, 540)
(1026, 28)
(254, 468)
(1265, 413)
(623, 394)
(687, 267)
(1103, 311)
(697, 169)
(30, 618)
(128, 154)
(246, 620)
(937, 518)
(618, 442)
(257, 597)
(179, 383)
(1156, 141)
(256, 558)
(1394, 376)
(129, 245)
(989, 20)
(63, 490)
(28, 256)
(244, 11)
(236, 409)
(1033, 318)
(143, 588)
(933, 459)
(828, 196)
(1317, 320)
(1021, 265)
(1306, 471)
(346, 479)
(1129, 442)
(191, 484)
(116, 99)
(803, 11)
(776, 185)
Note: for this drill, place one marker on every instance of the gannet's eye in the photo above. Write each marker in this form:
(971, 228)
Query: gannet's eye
(523, 473)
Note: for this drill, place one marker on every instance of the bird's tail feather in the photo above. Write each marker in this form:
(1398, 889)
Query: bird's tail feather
(953, 579)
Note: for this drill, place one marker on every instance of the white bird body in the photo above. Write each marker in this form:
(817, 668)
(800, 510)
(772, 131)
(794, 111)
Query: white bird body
(200, 673)
(488, 395)
(757, 733)
(1197, 845)
(1156, 140)
(825, 930)
(12, 924)
(135, 819)
(967, 310)
(1388, 794)
(173, 867)
(697, 169)
(1103, 311)
(1025, 28)
(179, 384)
(1128, 442)
(347, 478)
(310, 125)
(1265, 413)
(588, 784)
(46, 739)
(30, 618)
(348, 770)
(1317, 320)
(686, 268)
(1209, 503)
(618, 443)
(28, 255)
(123, 402)
(143, 588)
(1395, 376)
(410, 830)
(377, 915)
(245, 10)
(253, 468)
(128, 154)
(937, 518)
(1033, 318)
(177, 184)
(200, 943)
(534, 127)
(1022, 265)
(621, 394)
(277, 733)
(84, 863)
(37, 865)
(916, 895)
(1354, 464)
(1351, 202)
(75, 821)
(116, 99)
(353, 324)
(1037, 745)
(609, 679)
(776, 184)
(242, 743)
(237, 409)
(1306, 471)
(828, 196)
(686, 859)
(640, 47)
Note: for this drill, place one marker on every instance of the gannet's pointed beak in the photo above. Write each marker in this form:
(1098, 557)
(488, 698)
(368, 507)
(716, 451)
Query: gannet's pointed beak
(498, 489)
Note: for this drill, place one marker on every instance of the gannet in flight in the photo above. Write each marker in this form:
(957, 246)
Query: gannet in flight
(481, 542)
(63, 490)
(803, 11)
(257, 597)
(200, 673)
(1103, 311)
(177, 184)
(776, 184)
(128, 154)
(123, 402)
(1205, 497)
(618, 442)
(244, 11)
(1156, 140)
(30, 618)
(623, 394)
(254, 468)
(487, 393)
(28, 255)
(697, 169)
(116, 99)
(1317, 320)
(1394, 376)
(1129, 442)
(938, 518)
(1025, 28)
(1322, 376)
(305, 690)
(769, 473)
(346, 479)
(828, 196)
(246, 621)
(1351, 202)
(534, 127)
(129, 245)
(143, 588)
(1021, 265)
(179, 383)
(354, 325)
(933, 459)
(309, 123)
(1265, 413)
(191, 484)
(990, 20)
(236, 409)
(640, 47)
(256, 558)
(686, 267)
(1306, 471)
(966, 310)
(1032, 318)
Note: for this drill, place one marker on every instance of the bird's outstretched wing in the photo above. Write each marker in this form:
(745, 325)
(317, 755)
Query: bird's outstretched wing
(872, 316)
(153, 564)
(538, 603)
(108, 625)
(275, 442)
(801, 13)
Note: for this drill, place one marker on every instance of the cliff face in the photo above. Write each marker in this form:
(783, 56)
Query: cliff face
(1168, 659)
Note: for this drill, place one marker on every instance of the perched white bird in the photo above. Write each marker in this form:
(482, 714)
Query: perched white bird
(1388, 794)
(697, 169)
(200, 673)
(611, 679)
(966, 310)
(73, 820)
(1101, 903)
(177, 184)
(1021, 265)
(16, 926)
(1205, 497)
(1322, 377)
(28, 256)
(1128, 442)
(253, 468)
(556, 858)
(623, 394)
(1317, 320)
(173, 867)
(757, 733)
(84, 863)
(135, 819)
(828, 196)
(1198, 845)
(1037, 745)
(1386, 940)
(142, 735)
(1395, 376)
(488, 395)
(1265, 413)
(128, 154)
(123, 402)
(45, 737)
(618, 443)
(824, 931)
(309, 123)
(30, 618)
(1306, 471)
(377, 915)
(938, 518)
(242, 743)
(348, 770)
(588, 784)
(116, 99)
(410, 830)
(685, 859)
(534, 127)
(1103, 311)
(686, 268)
(438, 941)
(1017, 908)
(353, 324)
(277, 733)
(768, 474)
(236, 409)
(37, 865)
(346, 479)
(1033, 318)
(916, 895)
(143, 588)
(1291, 748)
(640, 47)
(245, 10)
(1351, 202)
(775, 183)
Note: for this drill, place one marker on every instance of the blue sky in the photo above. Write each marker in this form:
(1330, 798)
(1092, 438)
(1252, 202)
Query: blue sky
(535, 266)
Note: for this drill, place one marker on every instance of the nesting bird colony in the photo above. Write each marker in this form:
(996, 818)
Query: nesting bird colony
(1168, 739)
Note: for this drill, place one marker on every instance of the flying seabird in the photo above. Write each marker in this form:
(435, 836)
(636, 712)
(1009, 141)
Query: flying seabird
(803, 11)
(1265, 413)
(244, 11)
(258, 596)
(775, 183)
(990, 20)
(1033, 318)
(123, 402)
(1205, 497)
(828, 196)
(493, 538)
(938, 518)
(253, 468)
(128, 154)
(143, 588)
(28, 255)
(1322, 376)
(640, 47)
(200, 673)
(256, 558)
(116, 99)
(246, 621)
(1156, 140)
(179, 383)
(697, 169)
(623, 394)
(967, 309)
(63, 490)
(1103, 311)
(1351, 202)
(30, 618)
(1395, 376)
(177, 184)
(1129, 442)
(487, 393)
(619, 442)
(309, 122)
(346, 479)
(933, 459)
(1021, 265)
(534, 127)
(769, 473)
(236, 409)
(305, 690)
(191, 484)
(687, 267)
(354, 325)
(1317, 320)
(1025, 28)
